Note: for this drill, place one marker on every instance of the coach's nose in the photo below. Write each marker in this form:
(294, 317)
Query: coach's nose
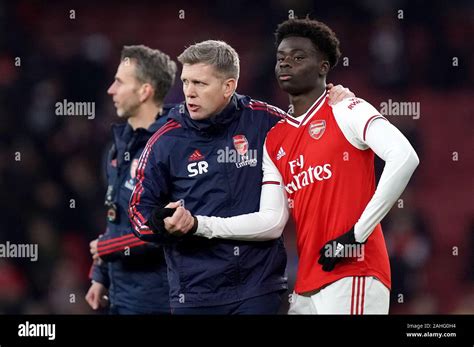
(189, 91)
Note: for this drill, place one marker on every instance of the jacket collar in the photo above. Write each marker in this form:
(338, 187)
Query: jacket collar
(123, 133)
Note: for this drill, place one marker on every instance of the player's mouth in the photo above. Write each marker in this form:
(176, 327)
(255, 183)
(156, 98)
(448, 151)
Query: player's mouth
(285, 77)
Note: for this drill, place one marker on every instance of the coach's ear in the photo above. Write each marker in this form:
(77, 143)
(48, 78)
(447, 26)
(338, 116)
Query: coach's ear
(230, 85)
(145, 92)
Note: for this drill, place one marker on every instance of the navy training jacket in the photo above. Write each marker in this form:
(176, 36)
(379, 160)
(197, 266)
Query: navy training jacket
(215, 166)
(134, 271)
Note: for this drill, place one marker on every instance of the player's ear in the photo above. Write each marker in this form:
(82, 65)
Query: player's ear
(324, 67)
(230, 85)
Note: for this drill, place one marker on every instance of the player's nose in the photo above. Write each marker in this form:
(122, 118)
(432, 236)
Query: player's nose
(285, 64)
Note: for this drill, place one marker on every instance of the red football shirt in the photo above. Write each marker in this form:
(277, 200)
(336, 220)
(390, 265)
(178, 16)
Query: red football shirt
(328, 174)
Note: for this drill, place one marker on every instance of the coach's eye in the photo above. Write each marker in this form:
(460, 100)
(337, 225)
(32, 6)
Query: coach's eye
(280, 60)
(298, 58)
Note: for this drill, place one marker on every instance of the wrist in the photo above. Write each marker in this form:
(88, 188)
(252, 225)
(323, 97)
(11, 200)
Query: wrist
(156, 222)
(348, 237)
(195, 226)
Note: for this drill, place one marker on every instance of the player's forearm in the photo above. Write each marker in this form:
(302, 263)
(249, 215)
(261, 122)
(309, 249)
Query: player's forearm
(400, 163)
(267, 224)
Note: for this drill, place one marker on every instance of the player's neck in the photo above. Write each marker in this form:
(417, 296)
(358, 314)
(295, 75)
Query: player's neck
(144, 117)
(302, 102)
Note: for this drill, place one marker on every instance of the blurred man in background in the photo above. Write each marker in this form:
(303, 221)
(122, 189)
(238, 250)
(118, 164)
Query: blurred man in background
(133, 272)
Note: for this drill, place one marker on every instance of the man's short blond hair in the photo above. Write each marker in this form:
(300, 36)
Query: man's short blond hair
(218, 54)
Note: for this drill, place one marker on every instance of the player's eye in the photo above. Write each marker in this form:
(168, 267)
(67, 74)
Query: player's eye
(299, 58)
(280, 59)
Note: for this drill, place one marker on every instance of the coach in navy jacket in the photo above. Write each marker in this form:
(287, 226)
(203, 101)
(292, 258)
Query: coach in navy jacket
(214, 164)
(182, 162)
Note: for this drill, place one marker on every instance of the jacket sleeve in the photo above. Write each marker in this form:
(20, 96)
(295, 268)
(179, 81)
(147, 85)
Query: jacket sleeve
(99, 273)
(151, 189)
(128, 245)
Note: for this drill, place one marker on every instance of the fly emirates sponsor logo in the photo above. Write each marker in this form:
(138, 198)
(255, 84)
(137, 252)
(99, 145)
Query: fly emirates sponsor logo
(305, 177)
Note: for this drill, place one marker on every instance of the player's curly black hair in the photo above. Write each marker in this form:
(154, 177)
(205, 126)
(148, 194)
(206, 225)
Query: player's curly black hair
(319, 33)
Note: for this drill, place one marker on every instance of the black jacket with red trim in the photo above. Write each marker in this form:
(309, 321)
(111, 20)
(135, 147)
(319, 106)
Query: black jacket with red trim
(133, 270)
(215, 166)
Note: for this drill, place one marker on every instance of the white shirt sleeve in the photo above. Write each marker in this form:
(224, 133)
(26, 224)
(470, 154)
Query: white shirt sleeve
(266, 224)
(354, 115)
(364, 127)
